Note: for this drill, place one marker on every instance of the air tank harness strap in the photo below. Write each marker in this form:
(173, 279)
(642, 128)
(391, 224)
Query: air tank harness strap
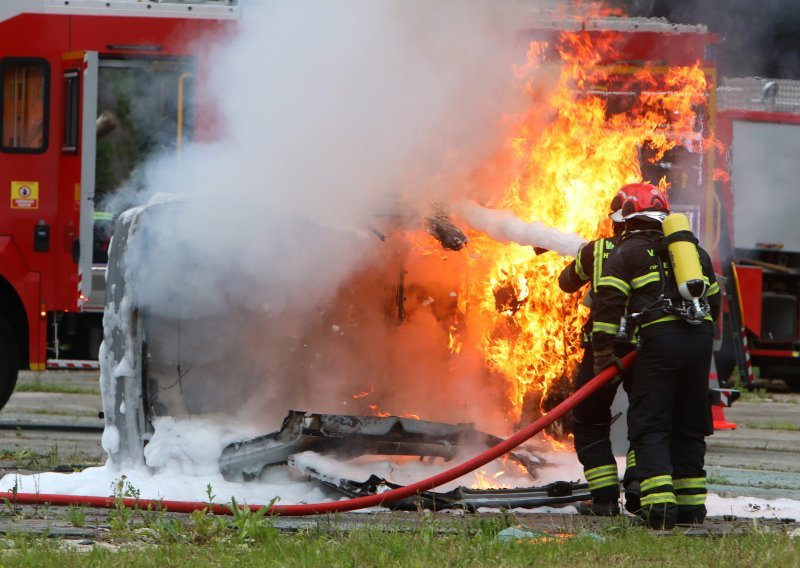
(672, 306)
(678, 236)
(670, 301)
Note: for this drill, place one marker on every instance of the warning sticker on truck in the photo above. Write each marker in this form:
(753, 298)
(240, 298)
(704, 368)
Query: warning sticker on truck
(24, 195)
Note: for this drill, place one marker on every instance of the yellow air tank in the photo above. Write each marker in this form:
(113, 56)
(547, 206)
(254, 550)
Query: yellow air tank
(684, 257)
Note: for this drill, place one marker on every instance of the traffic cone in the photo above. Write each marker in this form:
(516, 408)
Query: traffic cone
(717, 413)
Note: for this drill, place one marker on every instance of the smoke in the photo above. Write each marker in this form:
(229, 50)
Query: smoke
(266, 286)
(505, 226)
(756, 38)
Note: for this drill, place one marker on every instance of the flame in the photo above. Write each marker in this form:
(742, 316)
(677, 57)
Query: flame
(590, 128)
(484, 480)
(454, 343)
(560, 445)
(376, 412)
(574, 152)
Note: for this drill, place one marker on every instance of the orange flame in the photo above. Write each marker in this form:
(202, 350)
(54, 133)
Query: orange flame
(484, 480)
(589, 129)
(574, 152)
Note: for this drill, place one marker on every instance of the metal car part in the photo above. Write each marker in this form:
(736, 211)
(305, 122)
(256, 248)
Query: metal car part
(350, 436)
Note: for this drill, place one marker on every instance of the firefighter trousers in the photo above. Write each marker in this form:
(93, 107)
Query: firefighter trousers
(669, 417)
(591, 421)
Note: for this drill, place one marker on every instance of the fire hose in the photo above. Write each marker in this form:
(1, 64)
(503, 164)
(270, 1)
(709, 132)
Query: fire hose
(378, 499)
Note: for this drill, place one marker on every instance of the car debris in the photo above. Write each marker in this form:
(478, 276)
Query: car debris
(465, 498)
(350, 436)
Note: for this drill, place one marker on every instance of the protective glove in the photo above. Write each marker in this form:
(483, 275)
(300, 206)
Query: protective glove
(604, 358)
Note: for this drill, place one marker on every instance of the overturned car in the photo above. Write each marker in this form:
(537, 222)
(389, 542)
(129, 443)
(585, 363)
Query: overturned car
(186, 336)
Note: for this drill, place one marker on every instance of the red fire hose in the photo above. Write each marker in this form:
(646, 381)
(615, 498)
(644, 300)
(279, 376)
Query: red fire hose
(348, 504)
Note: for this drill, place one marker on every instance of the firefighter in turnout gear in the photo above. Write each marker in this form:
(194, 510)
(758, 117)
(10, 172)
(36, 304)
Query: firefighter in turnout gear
(592, 417)
(669, 414)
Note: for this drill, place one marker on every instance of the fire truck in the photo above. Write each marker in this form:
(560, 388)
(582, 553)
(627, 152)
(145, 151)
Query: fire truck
(89, 89)
(757, 207)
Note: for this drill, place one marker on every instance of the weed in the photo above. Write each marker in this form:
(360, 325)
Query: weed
(119, 519)
(27, 458)
(252, 526)
(206, 527)
(76, 515)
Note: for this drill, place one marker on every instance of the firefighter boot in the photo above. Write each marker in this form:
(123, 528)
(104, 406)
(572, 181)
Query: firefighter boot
(691, 514)
(604, 486)
(660, 516)
(690, 493)
(633, 497)
(658, 502)
(604, 503)
(630, 481)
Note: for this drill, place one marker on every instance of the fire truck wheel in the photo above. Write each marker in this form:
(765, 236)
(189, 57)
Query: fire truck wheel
(9, 362)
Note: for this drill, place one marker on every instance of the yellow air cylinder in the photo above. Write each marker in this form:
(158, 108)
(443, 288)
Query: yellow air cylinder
(684, 257)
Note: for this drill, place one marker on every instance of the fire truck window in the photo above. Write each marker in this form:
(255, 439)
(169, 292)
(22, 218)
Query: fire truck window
(24, 104)
(71, 111)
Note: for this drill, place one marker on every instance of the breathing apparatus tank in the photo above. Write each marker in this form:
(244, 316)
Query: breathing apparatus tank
(685, 261)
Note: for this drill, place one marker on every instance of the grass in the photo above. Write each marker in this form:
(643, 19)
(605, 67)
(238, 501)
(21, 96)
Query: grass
(153, 537)
(717, 480)
(57, 388)
(774, 425)
(756, 395)
(28, 458)
(421, 546)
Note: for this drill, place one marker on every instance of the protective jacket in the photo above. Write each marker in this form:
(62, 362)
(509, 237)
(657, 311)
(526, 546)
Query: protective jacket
(587, 268)
(632, 283)
(588, 265)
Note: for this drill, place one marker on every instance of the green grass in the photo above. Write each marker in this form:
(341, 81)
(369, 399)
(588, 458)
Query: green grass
(774, 425)
(717, 480)
(28, 458)
(757, 395)
(419, 547)
(58, 388)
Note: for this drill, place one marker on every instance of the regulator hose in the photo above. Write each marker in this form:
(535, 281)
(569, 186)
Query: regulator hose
(378, 499)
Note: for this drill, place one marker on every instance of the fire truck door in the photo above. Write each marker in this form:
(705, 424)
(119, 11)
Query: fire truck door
(80, 72)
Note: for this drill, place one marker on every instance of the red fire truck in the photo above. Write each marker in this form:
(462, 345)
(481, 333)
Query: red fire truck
(89, 89)
(758, 197)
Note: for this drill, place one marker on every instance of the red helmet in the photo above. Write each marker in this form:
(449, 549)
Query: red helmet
(615, 209)
(644, 200)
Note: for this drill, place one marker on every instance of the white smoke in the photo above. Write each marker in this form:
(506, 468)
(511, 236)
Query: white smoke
(504, 226)
(336, 118)
(333, 112)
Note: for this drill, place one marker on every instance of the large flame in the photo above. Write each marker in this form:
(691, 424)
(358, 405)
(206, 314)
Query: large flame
(580, 142)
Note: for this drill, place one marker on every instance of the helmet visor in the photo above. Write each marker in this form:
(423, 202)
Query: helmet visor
(654, 215)
(616, 216)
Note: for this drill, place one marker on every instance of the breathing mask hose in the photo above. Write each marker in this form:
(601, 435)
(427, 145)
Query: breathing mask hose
(379, 499)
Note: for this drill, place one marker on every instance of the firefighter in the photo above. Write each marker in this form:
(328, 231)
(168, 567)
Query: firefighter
(592, 418)
(669, 414)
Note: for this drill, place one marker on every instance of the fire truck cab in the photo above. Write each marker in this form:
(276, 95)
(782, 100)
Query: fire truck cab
(758, 127)
(89, 89)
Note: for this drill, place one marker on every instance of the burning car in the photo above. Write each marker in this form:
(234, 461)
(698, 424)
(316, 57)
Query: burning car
(394, 343)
